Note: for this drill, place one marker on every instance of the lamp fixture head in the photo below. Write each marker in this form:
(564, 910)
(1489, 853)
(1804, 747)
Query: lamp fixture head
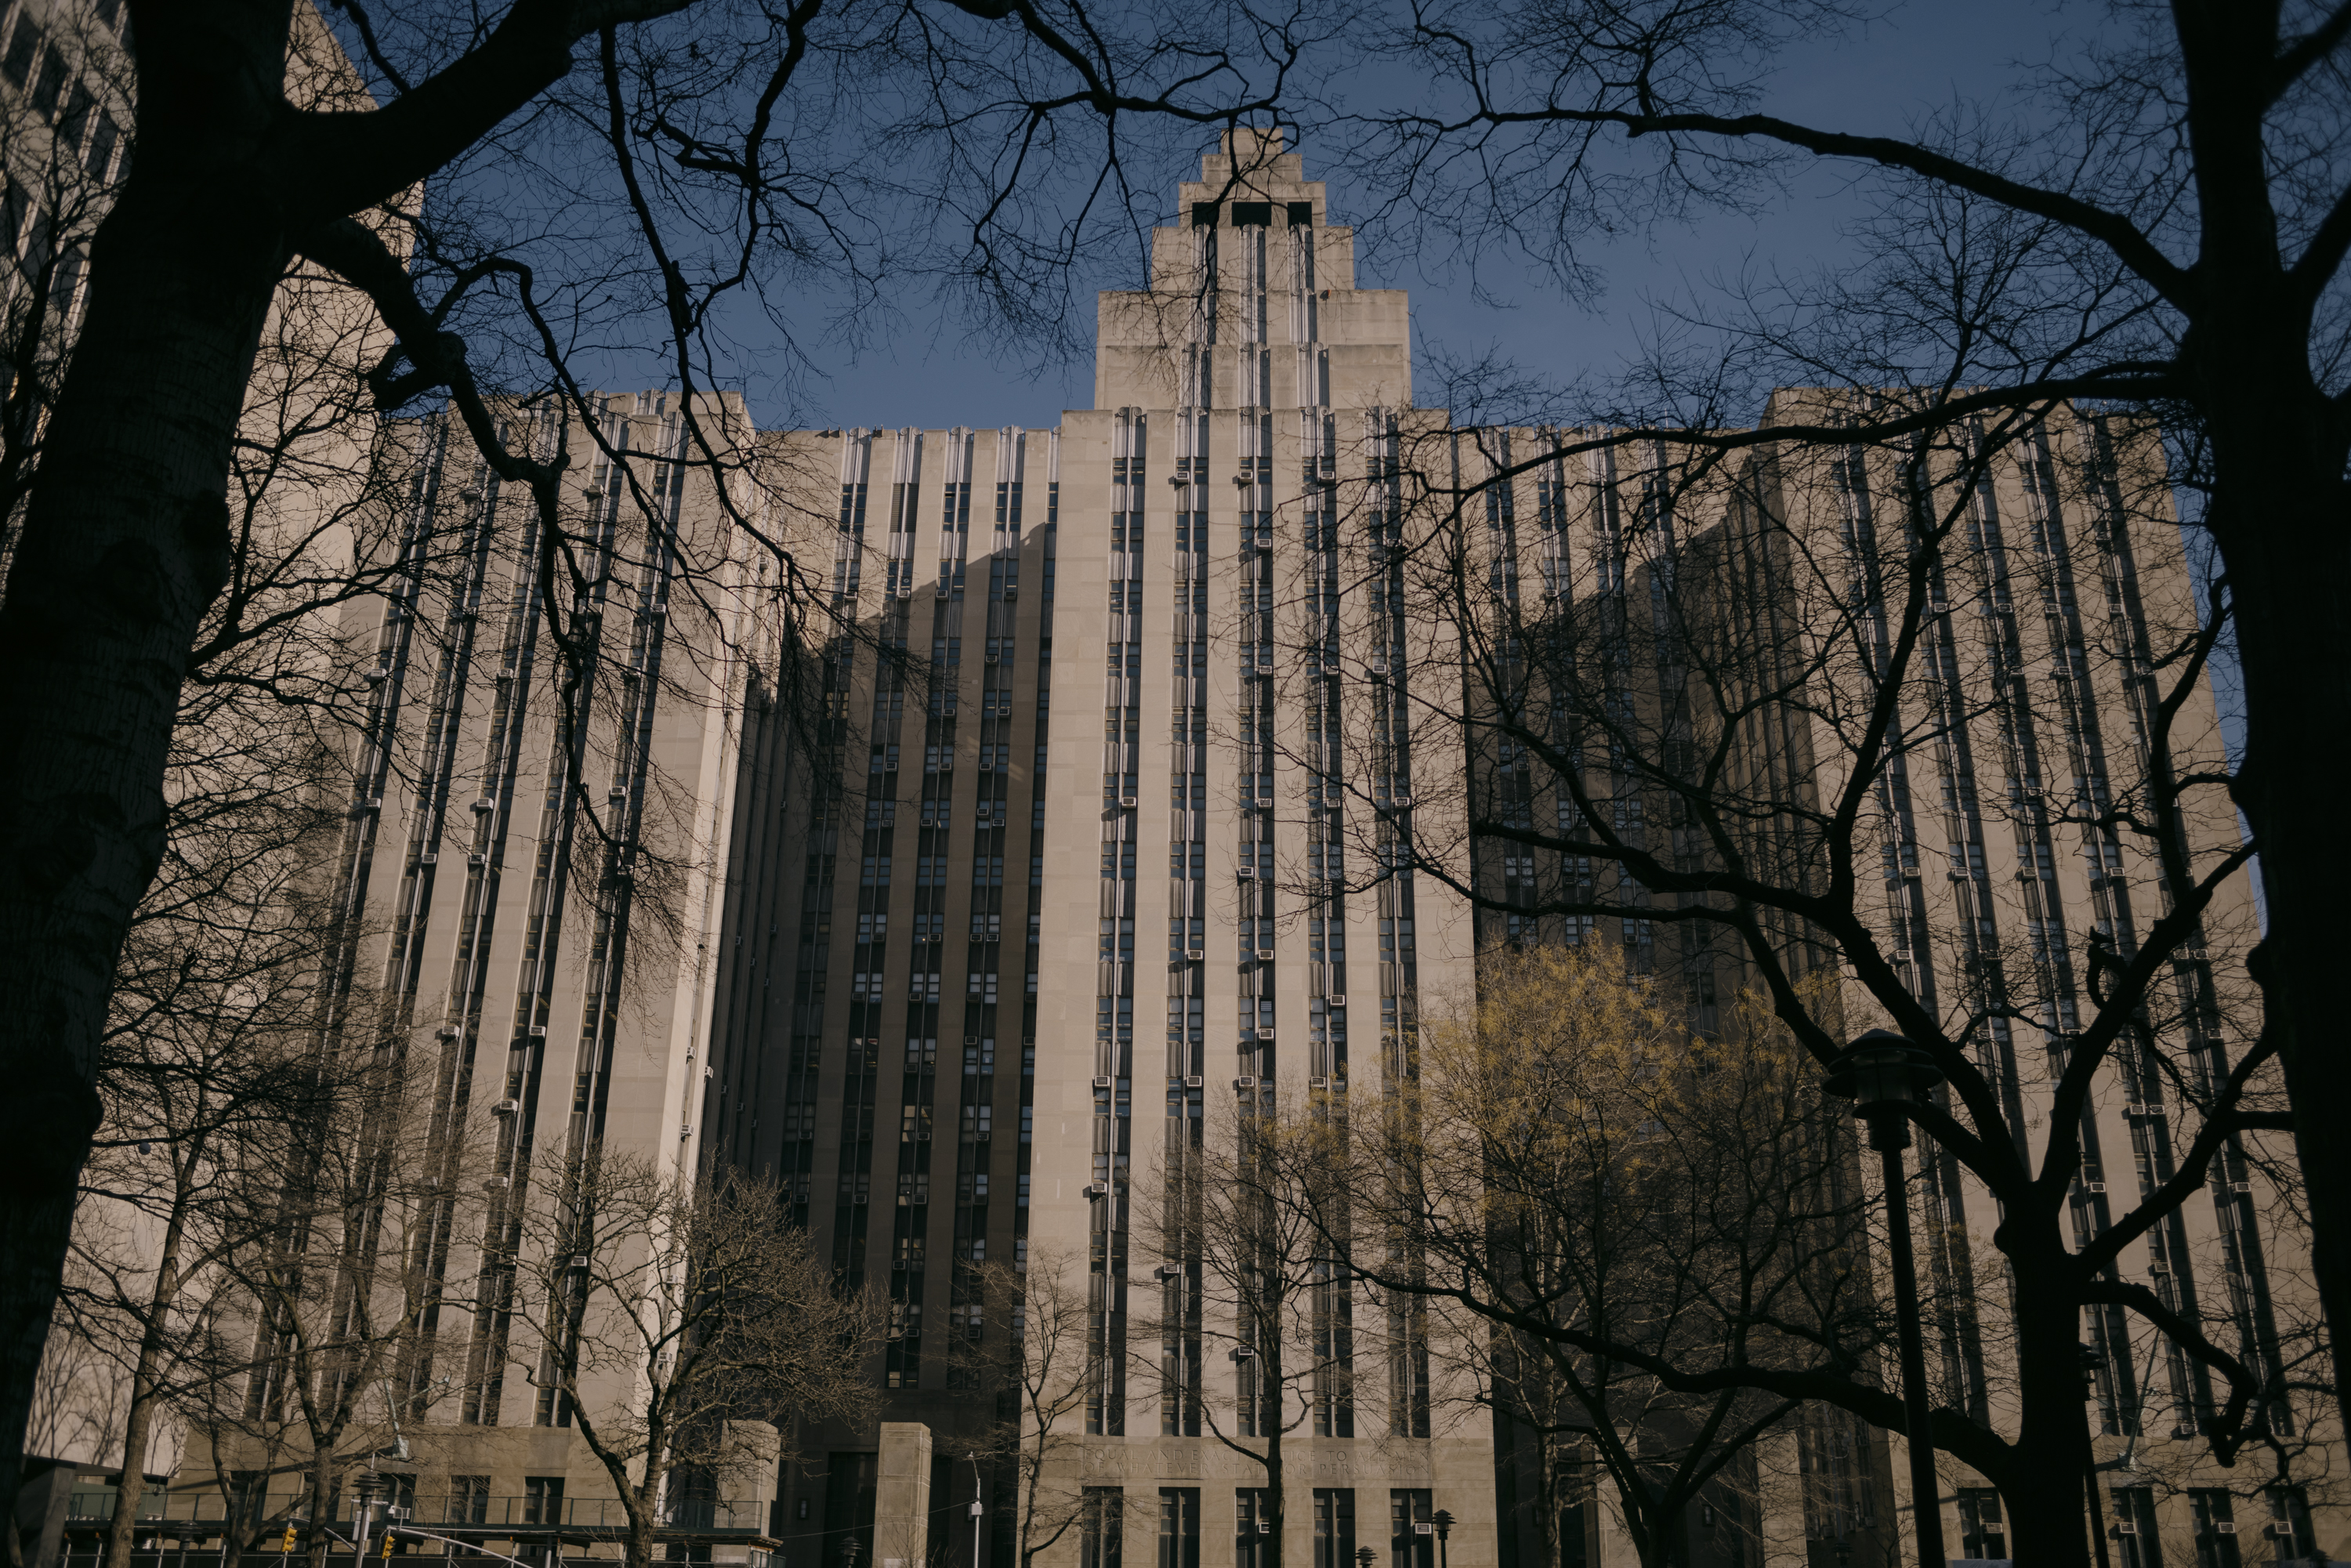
(1882, 1068)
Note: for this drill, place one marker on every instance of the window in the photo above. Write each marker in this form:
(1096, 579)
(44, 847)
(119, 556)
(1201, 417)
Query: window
(542, 1499)
(1412, 1542)
(2290, 1532)
(16, 65)
(1334, 1527)
(99, 160)
(1252, 1528)
(2134, 1527)
(1179, 1527)
(2215, 1520)
(50, 85)
(1099, 1520)
(469, 1500)
(1981, 1535)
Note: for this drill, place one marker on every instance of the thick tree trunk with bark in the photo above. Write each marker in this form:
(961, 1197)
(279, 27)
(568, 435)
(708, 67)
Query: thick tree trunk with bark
(2285, 534)
(2043, 1487)
(125, 544)
(2281, 514)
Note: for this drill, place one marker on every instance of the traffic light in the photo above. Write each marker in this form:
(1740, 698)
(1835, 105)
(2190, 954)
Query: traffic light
(288, 1545)
(387, 1541)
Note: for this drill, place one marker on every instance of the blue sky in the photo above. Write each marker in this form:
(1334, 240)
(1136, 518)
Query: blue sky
(1917, 58)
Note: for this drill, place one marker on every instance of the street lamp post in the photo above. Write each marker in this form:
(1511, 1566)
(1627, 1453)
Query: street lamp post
(977, 1510)
(1443, 1520)
(364, 1486)
(1880, 1072)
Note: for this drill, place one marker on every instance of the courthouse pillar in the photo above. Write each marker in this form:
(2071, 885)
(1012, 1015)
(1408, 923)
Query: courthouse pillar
(902, 1496)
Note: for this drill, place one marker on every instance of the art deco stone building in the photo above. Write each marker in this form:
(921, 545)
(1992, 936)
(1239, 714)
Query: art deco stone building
(1097, 817)
(1038, 924)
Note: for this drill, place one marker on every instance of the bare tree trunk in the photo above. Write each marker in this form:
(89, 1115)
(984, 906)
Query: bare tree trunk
(2284, 544)
(1272, 1359)
(2043, 1487)
(2279, 512)
(640, 1524)
(324, 1484)
(139, 1421)
(125, 544)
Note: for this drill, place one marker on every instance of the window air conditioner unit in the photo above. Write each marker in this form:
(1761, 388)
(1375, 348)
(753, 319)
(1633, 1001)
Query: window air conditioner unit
(1248, 874)
(497, 1184)
(1244, 1082)
(1193, 1082)
(1101, 1082)
(1129, 801)
(2126, 1528)
(1011, 592)
(857, 1197)
(1097, 1189)
(486, 804)
(942, 590)
(449, 1031)
(2134, 1110)
(1196, 954)
(1168, 1271)
(2094, 1186)
(2223, 1527)
(897, 1263)
(2280, 1527)
(537, 1032)
(1339, 1000)
(1318, 1084)
(477, 860)
(507, 1107)
(1265, 954)
(429, 857)
(2241, 1187)
(617, 792)
(580, 1259)
(1178, 479)
(372, 803)
(1241, 479)
(1424, 1528)
(993, 658)
(1241, 1353)
(1265, 1034)
(2158, 1265)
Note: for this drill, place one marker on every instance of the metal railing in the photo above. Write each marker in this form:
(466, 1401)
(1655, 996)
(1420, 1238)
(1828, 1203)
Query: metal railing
(458, 1510)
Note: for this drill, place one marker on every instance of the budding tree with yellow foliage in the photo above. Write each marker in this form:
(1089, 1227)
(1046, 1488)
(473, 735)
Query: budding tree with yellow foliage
(1648, 1237)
